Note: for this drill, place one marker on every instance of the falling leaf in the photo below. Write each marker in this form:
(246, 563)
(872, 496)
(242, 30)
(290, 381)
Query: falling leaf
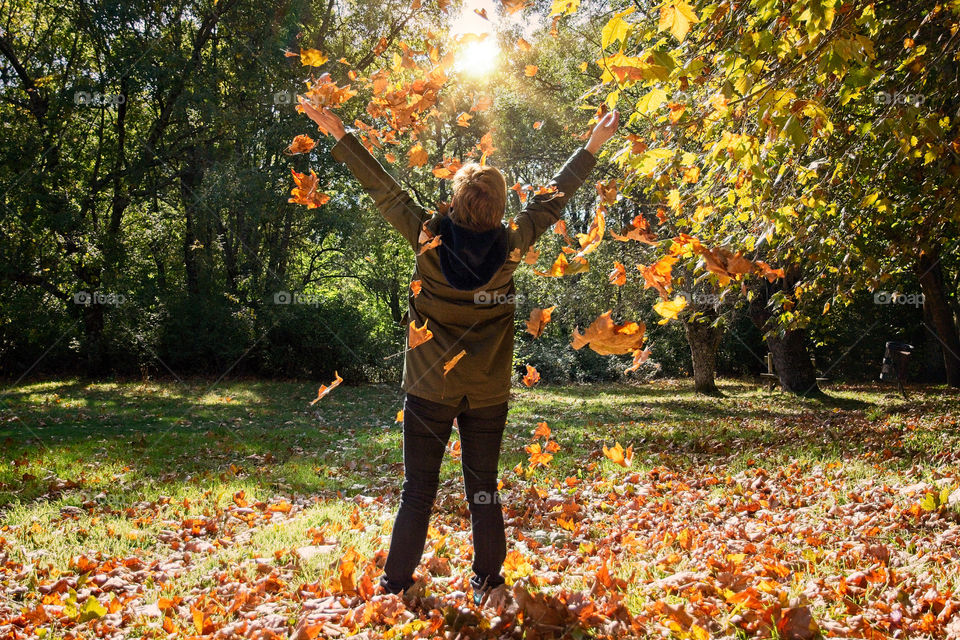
(608, 190)
(638, 229)
(324, 92)
(530, 70)
(417, 155)
(768, 272)
(447, 169)
(512, 6)
(618, 275)
(670, 308)
(324, 389)
(542, 431)
(532, 376)
(639, 357)
(724, 263)
(538, 124)
(399, 416)
(463, 120)
(658, 275)
(617, 454)
(590, 241)
(452, 362)
(312, 57)
(427, 240)
(433, 243)
(415, 287)
(418, 335)
(301, 144)
(607, 338)
(562, 267)
(538, 320)
(482, 13)
(486, 144)
(483, 103)
(305, 192)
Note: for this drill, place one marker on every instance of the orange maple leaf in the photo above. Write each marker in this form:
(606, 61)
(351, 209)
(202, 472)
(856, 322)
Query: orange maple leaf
(447, 169)
(418, 335)
(607, 338)
(301, 144)
(608, 190)
(659, 275)
(639, 357)
(417, 155)
(638, 229)
(305, 192)
(590, 240)
(618, 275)
(324, 389)
(537, 455)
(532, 377)
(617, 454)
(542, 431)
(538, 320)
(452, 362)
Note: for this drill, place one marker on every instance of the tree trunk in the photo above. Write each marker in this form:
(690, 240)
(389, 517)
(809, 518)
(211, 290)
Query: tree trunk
(930, 274)
(94, 343)
(703, 339)
(791, 358)
(791, 362)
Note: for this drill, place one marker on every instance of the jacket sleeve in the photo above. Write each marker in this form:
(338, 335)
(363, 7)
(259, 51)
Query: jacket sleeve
(544, 210)
(394, 203)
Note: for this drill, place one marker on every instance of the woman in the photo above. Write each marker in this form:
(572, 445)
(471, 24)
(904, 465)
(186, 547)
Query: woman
(466, 300)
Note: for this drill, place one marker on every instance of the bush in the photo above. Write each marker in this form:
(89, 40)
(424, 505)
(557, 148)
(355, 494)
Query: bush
(557, 362)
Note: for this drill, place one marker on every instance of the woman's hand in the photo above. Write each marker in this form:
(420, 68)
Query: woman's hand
(603, 131)
(328, 122)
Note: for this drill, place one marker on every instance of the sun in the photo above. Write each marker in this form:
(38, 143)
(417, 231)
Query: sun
(478, 58)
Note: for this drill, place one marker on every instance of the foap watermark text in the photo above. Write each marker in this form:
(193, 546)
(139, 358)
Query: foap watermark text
(895, 297)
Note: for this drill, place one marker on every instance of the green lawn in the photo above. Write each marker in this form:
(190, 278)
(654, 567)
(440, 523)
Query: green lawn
(157, 508)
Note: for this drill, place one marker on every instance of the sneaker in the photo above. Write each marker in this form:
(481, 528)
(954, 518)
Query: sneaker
(483, 586)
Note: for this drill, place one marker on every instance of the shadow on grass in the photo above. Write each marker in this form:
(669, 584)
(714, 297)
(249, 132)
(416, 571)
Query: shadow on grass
(167, 431)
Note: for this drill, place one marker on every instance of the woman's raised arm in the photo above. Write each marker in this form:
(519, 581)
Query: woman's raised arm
(394, 203)
(542, 211)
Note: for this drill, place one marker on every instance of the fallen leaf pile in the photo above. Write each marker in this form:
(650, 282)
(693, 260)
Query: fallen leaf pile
(622, 532)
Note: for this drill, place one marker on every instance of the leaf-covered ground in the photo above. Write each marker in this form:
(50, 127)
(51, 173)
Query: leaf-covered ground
(169, 510)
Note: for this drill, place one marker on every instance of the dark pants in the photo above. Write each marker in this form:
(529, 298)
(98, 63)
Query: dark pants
(426, 429)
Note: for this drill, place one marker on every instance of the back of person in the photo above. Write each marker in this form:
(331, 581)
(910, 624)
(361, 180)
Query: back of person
(462, 291)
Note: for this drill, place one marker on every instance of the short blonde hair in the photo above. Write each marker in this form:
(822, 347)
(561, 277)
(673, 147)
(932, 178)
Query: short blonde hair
(479, 197)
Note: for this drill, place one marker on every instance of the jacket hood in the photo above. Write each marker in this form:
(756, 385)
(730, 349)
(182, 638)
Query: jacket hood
(469, 259)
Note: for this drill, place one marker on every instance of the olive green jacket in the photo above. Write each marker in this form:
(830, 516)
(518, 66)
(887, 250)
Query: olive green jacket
(481, 321)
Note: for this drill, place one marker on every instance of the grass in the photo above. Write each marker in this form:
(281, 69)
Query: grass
(116, 470)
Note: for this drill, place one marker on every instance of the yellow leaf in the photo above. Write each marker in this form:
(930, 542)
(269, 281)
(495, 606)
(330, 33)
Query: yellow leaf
(312, 57)
(564, 7)
(616, 29)
(670, 308)
(676, 18)
(651, 101)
